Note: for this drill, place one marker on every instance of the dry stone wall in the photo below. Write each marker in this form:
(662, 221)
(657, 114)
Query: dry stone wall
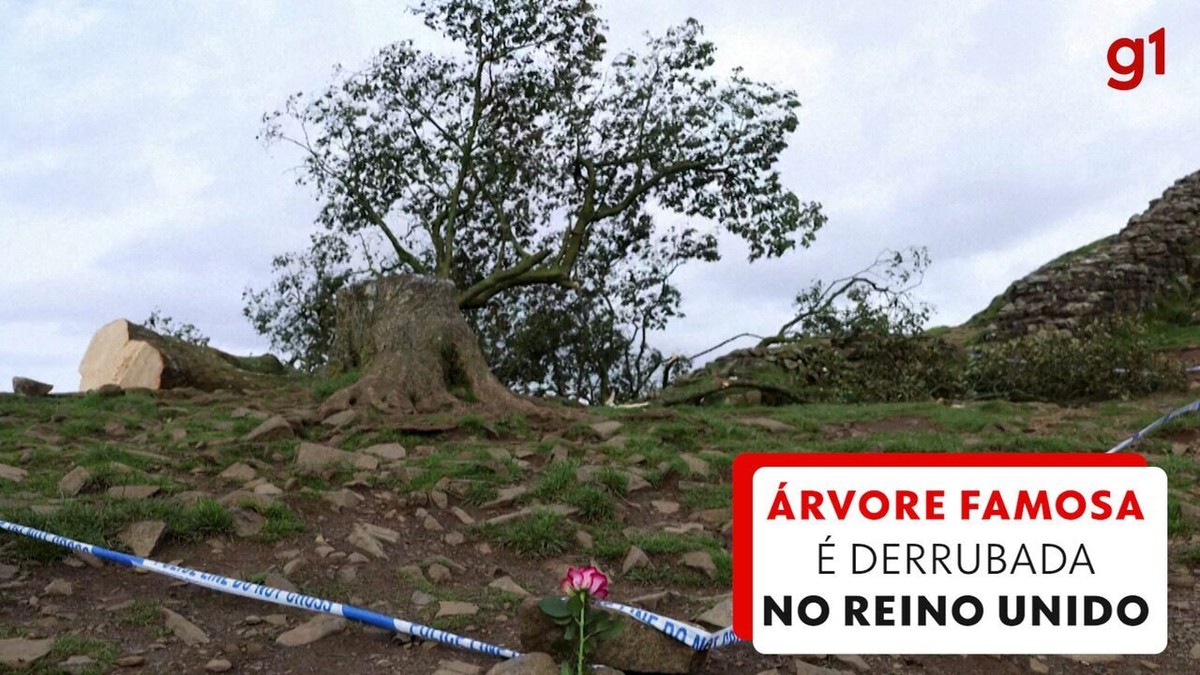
(1156, 256)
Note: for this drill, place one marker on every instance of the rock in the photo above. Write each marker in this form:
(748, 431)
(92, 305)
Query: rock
(341, 419)
(606, 429)
(506, 496)
(805, 668)
(700, 560)
(310, 631)
(634, 559)
(455, 667)
(27, 387)
(183, 629)
(370, 538)
(133, 491)
(218, 665)
(853, 660)
(1094, 659)
(507, 585)
(455, 538)
(1038, 666)
(273, 428)
(585, 540)
(238, 473)
(695, 465)
(315, 458)
(131, 661)
(15, 474)
(1195, 652)
(8, 571)
(59, 587)
(639, 649)
(247, 522)
(719, 615)
(74, 482)
(664, 506)
(387, 451)
(463, 517)
(773, 426)
(455, 608)
(77, 663)
(19, 651)
(537, 663)
(421, 599)
(142, 537)
(343, 499)
(438, 573)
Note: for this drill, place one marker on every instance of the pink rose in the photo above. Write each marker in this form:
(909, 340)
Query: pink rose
(587, 580)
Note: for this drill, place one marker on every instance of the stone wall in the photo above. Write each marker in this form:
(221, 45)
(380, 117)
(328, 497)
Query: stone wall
(1156, 256)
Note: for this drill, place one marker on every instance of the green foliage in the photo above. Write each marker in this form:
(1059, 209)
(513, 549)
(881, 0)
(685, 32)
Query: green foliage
(540, 535)
(522, 164)
(325, 387)
(166, 325)
(1098, 361)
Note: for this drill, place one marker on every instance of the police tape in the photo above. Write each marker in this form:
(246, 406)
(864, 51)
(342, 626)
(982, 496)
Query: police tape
(1192, 407)
(278, 596)
(696, 638)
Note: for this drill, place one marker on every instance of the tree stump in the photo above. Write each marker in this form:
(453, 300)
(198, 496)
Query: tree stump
(414, 349)
(130, 355)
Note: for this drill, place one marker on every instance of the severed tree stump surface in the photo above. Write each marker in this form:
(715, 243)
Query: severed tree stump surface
(130, 355)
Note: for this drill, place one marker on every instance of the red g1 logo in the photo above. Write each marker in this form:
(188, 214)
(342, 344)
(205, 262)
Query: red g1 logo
(1135, 68)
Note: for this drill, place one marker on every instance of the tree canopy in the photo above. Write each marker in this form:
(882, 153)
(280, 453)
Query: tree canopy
(520, 160)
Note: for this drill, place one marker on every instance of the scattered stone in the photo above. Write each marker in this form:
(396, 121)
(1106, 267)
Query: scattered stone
(15, 474)
(242, 411)
(218, 665)
(130, 661)
(806, 668)
(771, 425)
(430, 523)
(636, 482)
(74, 482)
(719, 615)
(457, 668)
(25, 386)
(421, 599)
(1038, 666)
(247, 522)
(238, 473)
(606, 429)
(700, 560)
(1094, 659)
(77, 663)
(267, 490)
(455, 608)
(273, 428)
(370, 538)
(439, 499)
(391, 452)
(183, 629)
(312, 630)
(634, 559)
(664, 506)
(315, 458)
(506, 496)
(59, 587)
(463, 517)
(455, 538)
(341, 419)
(537, 663)
(438, 573)
(142, 537)
(853, 660)
(19, 651)
(343, 499)
(1195, 652)
(585, 540)
(507, 585)
(133, 491)
(695, 465)
(8, 571)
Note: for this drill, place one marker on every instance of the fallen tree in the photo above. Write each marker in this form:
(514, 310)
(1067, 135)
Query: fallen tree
(129, 355)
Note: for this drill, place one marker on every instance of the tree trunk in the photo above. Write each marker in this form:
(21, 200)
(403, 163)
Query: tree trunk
(413, 348)
(130, 355)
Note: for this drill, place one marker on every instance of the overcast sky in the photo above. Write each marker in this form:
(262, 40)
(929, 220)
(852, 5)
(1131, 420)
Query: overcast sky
(131, 178)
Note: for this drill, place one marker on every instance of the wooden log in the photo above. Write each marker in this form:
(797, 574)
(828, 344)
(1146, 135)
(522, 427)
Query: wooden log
(129, 355)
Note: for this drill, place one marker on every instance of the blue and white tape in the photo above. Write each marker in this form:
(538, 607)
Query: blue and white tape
(278, 596)
(692, 636)
(1192, 407)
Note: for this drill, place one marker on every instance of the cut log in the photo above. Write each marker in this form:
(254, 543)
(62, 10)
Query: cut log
(414, 349)
(129, 355)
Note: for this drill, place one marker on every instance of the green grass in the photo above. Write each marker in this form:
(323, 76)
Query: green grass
(542, 534)
(280, 522)
(324, 388)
